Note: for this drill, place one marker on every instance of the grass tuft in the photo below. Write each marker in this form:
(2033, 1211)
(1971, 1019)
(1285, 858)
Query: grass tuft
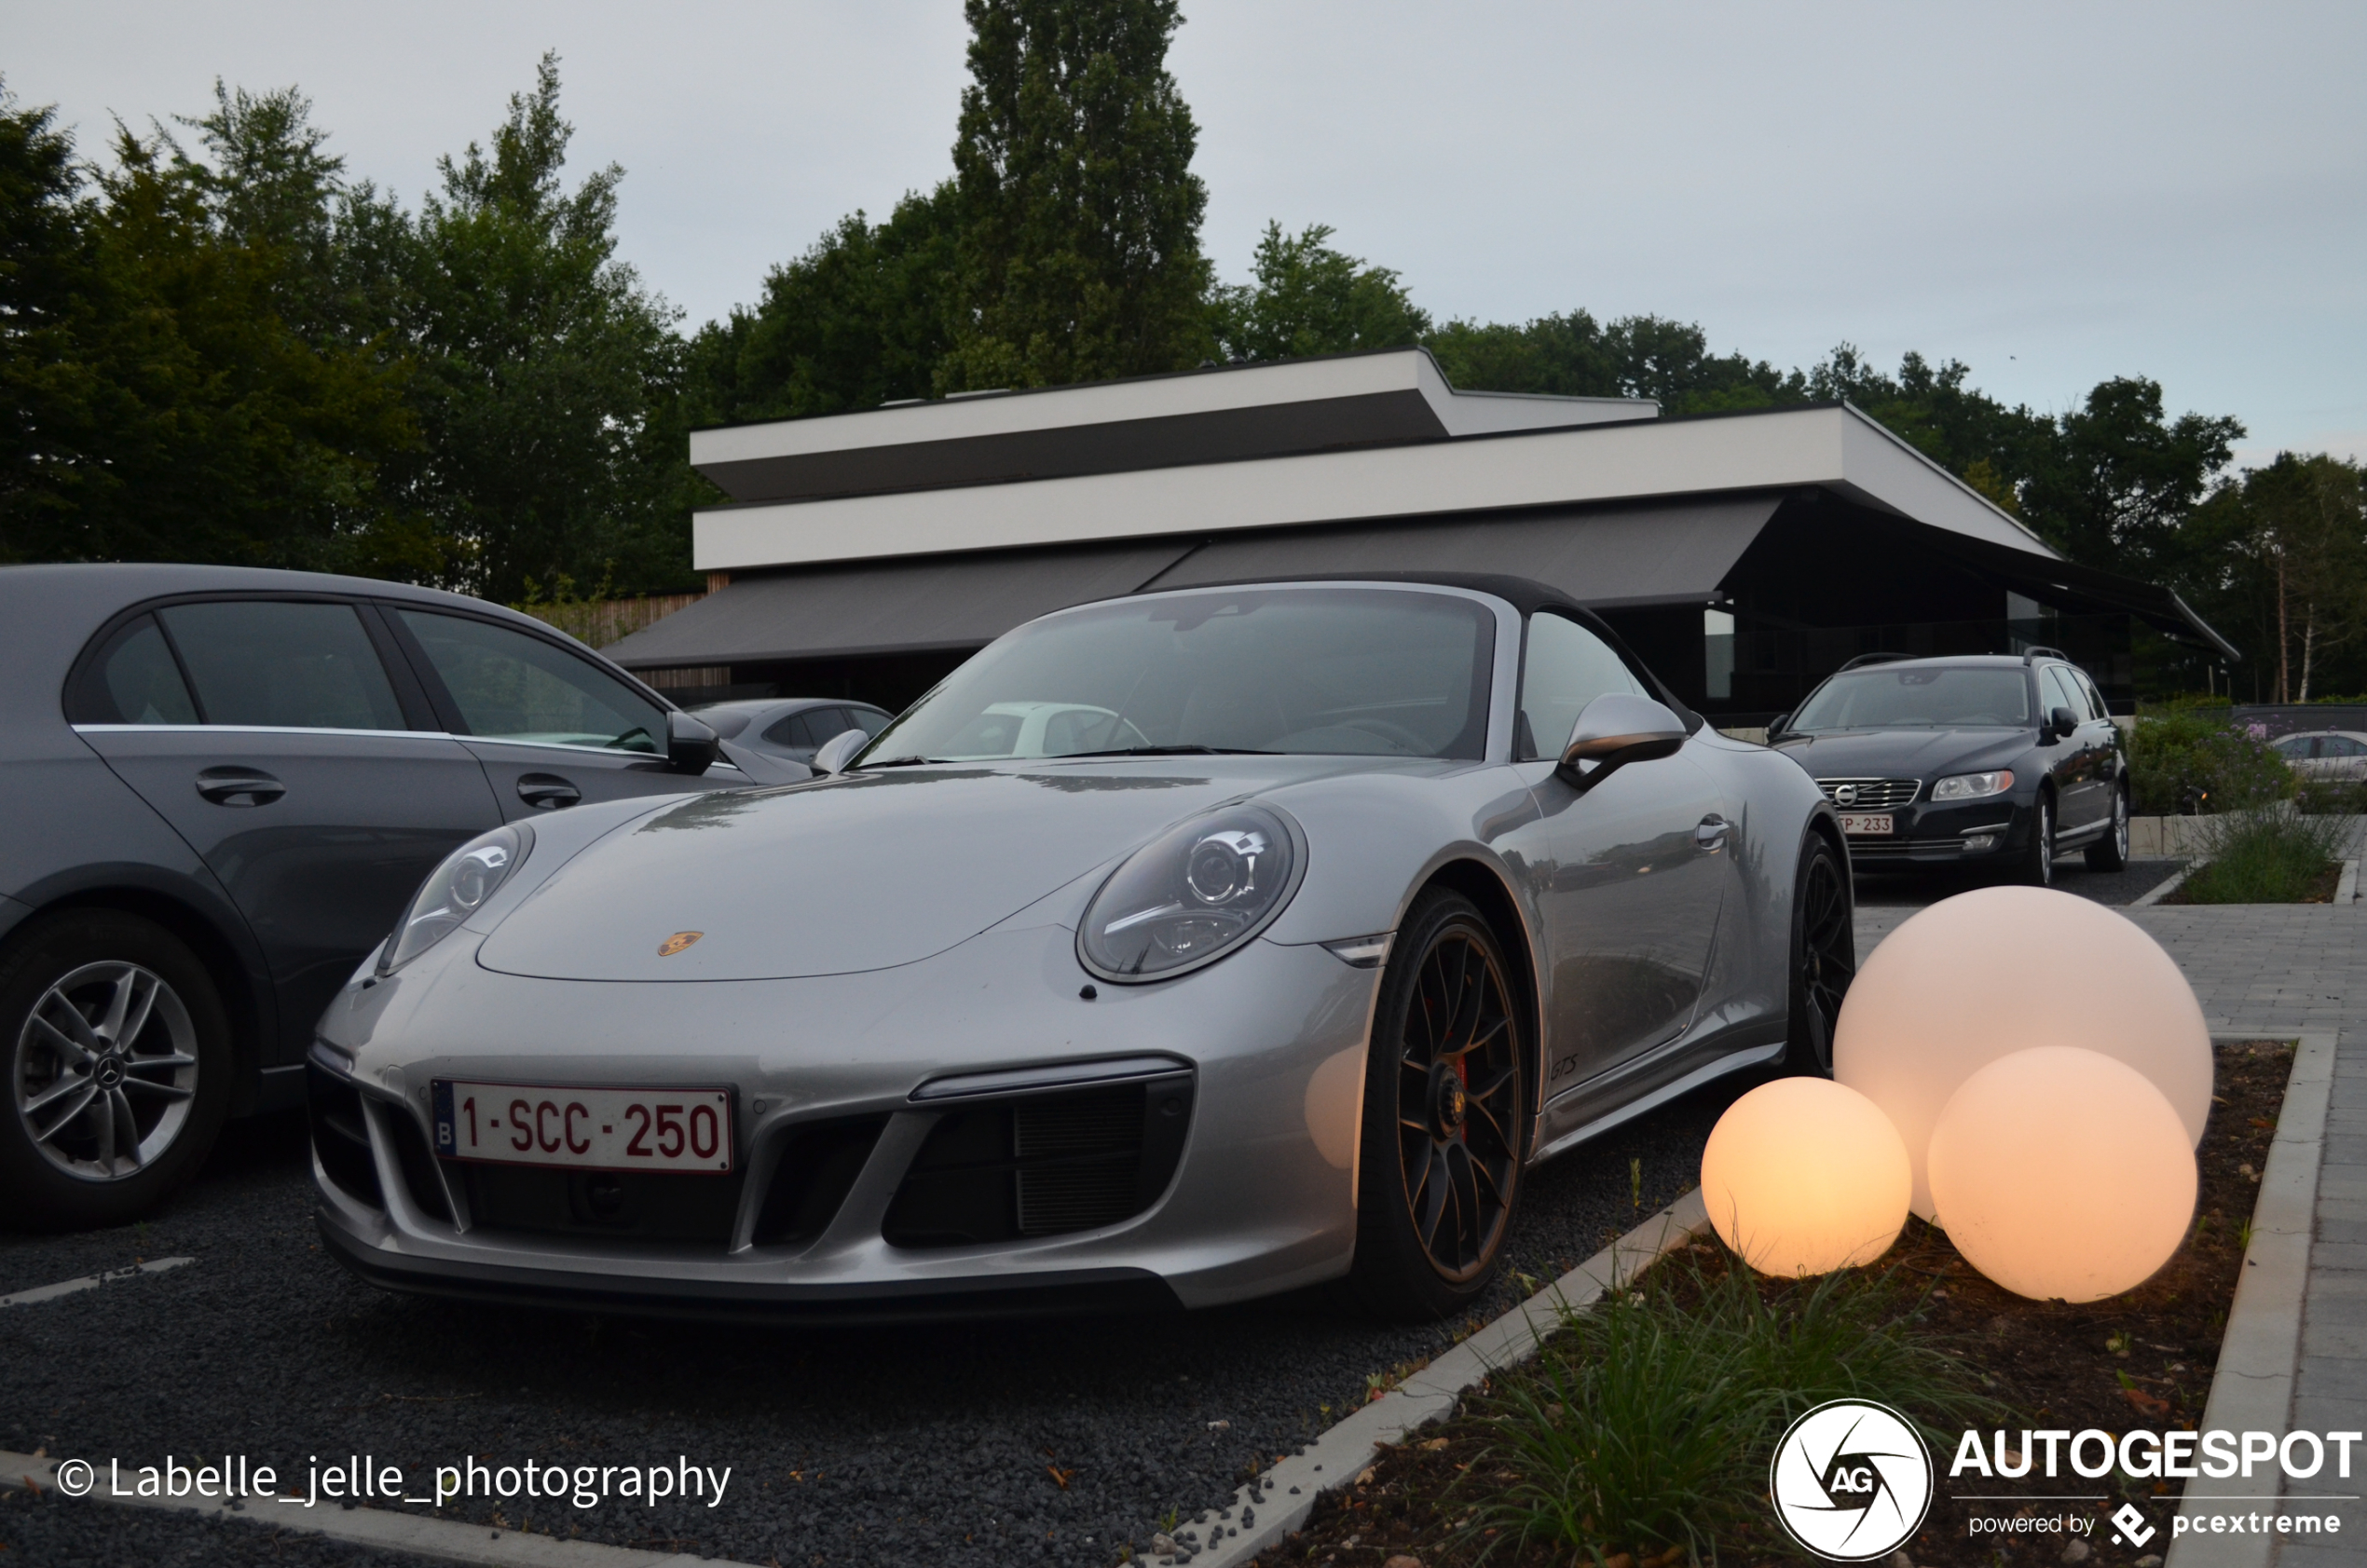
(1647, 1423)
(2276, 854)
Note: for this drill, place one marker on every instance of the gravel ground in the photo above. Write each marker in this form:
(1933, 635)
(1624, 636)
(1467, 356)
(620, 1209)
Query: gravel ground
(1914, 889)
(936, 1445)
(56, 1533)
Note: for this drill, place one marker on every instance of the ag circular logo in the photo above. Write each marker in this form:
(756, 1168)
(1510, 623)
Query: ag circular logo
(1852, 1480)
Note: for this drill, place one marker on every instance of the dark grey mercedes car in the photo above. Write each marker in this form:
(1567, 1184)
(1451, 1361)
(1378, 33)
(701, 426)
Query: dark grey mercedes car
(220, 787)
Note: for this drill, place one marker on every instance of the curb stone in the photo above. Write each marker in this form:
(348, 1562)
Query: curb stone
(438, 1540)
(2260, 1353)
(1279, 1500)
(2169, 884)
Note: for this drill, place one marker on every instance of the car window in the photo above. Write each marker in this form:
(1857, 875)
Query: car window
(2061, 693)
(1565, 668)
(869, 720)
(1917, 696)
(795, 730)
(2292, 747)
(826, 724)
(285, 666)
(141, 682)
(2095, 698)
(1310, 670)
(2341, 745)
(511, 687)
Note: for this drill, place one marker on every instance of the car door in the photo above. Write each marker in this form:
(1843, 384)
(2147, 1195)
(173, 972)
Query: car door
(275, 735)
(1628, 877)
(2074, 762)
(549, 726)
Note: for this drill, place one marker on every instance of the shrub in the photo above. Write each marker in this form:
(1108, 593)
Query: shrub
(1650, 1421)
(2275, 854)
(2191, 760)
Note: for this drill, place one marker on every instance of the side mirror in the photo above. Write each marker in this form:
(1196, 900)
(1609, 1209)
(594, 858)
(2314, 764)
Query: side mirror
(1775, 725)
(2062, 721)
(839, 750)
(691, 745)
(1615, 730)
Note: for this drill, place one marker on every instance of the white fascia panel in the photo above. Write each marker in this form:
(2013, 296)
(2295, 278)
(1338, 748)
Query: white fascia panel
(1882, 470)
(1110, 403)
(1611, 462)
(1161, 396)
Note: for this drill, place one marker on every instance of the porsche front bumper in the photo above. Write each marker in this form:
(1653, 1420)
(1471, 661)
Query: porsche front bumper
(962, 1136)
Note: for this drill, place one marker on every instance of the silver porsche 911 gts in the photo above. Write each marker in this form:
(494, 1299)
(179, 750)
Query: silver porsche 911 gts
(1177, 948)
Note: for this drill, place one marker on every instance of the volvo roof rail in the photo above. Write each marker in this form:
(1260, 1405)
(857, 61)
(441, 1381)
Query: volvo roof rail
(2030, 656)
(1877, 659)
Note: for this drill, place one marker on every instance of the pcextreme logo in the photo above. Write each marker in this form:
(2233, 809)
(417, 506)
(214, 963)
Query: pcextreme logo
(1851, 1481)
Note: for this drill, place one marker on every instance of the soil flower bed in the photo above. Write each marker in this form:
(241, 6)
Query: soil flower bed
(1543, 1455)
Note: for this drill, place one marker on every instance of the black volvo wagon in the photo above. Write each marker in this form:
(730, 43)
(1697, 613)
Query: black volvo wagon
(1993, 760)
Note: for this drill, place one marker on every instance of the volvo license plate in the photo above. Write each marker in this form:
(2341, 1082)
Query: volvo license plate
(584, 1129)
(1866, 823)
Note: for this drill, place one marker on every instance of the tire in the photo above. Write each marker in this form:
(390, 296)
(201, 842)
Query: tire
(1823, 958)
(2111, 851)
(2038, 860)
(1445, 1117)
(71, 991)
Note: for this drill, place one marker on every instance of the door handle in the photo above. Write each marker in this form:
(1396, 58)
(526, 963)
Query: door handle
(1710, 835)
(240, 786)
(547, 792)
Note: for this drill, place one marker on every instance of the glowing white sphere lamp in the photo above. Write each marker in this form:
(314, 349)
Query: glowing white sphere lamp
(1999, 970)
(2060, 1172)
(1802, 1176)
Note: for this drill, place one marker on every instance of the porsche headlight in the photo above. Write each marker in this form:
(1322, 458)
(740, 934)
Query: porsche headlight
(1972, 787)
(1192, 895)
(453, 890)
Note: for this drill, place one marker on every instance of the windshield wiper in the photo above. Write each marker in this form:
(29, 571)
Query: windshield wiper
(1194, 750)
(905, 761)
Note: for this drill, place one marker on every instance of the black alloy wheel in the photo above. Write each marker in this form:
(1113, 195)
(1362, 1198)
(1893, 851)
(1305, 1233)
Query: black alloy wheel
(119, 1069)
(2038, 860)
(1445, 1115)
(2111, 851)
(1823, 958)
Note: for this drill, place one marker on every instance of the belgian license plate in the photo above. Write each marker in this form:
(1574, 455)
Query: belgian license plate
(1865, 823)
(583, 1128)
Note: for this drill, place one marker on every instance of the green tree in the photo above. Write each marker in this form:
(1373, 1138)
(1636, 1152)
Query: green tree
(1077, 214)
(216, 415)
(2116, 484)
(2284, 555)
(1309, 298)
(47, 385)
(1574, 355)
(547, 379)
(861, 318)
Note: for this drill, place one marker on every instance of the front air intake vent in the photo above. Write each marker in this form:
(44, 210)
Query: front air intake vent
(341, 1136)
(1043, 1165)
(817, 1169)
(1077, 1157)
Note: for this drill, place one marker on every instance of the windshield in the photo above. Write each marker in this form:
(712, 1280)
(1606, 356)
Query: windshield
(1331, 671)
(1916, 698)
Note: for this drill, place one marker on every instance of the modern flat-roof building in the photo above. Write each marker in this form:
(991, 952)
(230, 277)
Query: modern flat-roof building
(1743, 555)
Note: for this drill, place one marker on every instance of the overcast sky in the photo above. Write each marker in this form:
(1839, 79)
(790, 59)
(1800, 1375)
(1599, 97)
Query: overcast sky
(2054, 194)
